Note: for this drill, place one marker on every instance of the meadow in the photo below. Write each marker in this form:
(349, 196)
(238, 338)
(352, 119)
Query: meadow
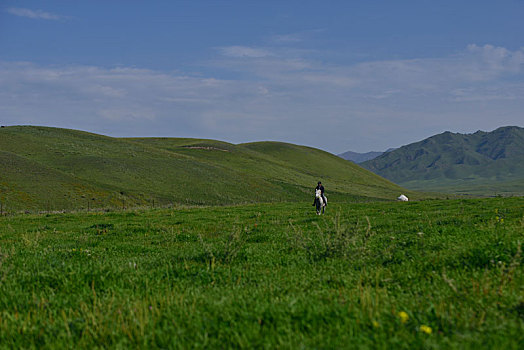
(427, 274)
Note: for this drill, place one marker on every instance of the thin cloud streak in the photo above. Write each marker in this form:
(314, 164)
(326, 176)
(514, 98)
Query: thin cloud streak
(244, 51)
(35, 14)
(287, 38)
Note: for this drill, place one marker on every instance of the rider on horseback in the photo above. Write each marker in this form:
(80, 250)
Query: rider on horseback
(321, 188)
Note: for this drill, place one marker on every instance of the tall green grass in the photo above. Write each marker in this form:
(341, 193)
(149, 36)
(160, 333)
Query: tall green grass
(430, 274)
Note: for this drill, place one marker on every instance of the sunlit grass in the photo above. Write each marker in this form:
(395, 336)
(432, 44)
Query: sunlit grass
(427, 274)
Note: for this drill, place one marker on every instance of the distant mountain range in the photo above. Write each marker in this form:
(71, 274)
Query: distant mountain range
(356, 157)
(482, 162)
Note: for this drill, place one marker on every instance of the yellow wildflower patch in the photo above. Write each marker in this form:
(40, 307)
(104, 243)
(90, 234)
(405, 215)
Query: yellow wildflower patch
(404, 317)
(426, 329)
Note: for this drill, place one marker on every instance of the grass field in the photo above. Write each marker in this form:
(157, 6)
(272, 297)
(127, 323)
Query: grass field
(467, 187)
(429, 274)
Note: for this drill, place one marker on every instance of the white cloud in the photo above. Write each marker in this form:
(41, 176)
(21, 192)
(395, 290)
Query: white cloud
(287, 38)
(497, 59)
(287, 96)
(34, 14)
(244, 51)
(106, 100)
(293, 38)
(495, 92)
(329, 79)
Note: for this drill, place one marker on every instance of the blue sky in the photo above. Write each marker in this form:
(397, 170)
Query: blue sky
(337, 75)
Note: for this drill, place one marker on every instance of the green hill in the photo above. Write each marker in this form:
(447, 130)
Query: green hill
(482, 163)
(51, 168)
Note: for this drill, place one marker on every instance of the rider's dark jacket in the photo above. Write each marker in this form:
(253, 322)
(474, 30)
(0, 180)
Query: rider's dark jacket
(321, 188)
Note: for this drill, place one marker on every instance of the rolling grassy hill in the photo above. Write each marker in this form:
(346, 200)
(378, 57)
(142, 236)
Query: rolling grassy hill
(481, 163)
(51, 168)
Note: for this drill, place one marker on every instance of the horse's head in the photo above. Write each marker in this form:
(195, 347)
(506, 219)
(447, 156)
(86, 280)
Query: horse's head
(318, 193)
